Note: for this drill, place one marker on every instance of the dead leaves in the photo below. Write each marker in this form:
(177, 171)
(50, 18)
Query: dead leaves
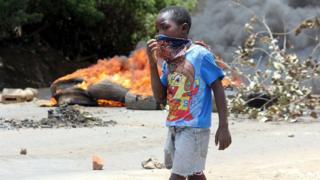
(282, 79)
(308, 24)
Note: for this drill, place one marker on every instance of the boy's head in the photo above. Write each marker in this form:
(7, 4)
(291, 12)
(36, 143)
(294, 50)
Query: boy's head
(173, 21)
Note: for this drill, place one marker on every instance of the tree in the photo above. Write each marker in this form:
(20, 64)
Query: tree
(83, 28)
(13, 16)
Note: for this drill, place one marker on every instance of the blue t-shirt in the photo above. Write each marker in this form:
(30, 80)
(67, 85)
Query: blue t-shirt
(188, 88)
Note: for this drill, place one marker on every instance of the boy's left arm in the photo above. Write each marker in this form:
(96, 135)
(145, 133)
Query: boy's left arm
(223, 137)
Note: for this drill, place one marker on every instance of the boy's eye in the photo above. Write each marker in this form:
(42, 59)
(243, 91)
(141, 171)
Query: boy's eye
(165, 27)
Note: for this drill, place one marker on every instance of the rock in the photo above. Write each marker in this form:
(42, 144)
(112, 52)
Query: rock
(314, 115)
(291, 135)
(152, 164)
(110, 122)
(23, 151)
(97, 162)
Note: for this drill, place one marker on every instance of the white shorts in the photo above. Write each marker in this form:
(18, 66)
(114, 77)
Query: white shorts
(186, 150)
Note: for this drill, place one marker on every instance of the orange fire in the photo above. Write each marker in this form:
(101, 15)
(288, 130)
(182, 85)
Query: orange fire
(229, 81)
(132, 73)
(104, 102)
(53, 101)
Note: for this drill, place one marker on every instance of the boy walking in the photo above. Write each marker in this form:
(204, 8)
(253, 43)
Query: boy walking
(189, 73)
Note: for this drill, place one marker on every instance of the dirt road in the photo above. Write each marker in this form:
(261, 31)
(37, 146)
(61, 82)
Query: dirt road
(259, 150)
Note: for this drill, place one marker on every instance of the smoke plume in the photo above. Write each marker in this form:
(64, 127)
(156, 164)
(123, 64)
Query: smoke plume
(221, 23)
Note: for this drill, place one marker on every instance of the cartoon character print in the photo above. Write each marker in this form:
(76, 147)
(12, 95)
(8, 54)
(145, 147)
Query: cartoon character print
(181, 88)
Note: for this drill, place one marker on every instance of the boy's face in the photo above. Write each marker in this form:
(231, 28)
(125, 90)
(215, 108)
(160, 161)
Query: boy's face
(165, 25)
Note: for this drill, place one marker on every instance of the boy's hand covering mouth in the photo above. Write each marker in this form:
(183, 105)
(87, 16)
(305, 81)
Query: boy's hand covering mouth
(152, 49)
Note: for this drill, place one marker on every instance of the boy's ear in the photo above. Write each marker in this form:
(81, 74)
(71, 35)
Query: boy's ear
(185, 28)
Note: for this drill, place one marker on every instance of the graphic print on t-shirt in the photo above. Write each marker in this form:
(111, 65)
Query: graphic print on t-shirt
(181, 88)
(188, 83)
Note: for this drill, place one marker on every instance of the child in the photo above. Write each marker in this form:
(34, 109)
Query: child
(189, 73)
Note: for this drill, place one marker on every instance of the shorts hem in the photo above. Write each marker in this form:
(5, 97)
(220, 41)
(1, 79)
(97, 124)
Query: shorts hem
(186, 174)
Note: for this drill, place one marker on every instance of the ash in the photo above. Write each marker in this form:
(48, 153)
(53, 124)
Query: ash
(62, 116)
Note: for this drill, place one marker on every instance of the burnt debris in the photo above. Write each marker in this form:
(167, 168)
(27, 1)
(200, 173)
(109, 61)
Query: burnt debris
(62, 116)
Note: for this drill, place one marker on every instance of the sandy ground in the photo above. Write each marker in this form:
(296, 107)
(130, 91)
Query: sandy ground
(259, 150)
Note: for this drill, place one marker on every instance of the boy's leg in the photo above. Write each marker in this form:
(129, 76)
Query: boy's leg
(169, 148)
(169, 153)
(197, 177)
(193, 177)
(176, 177)
(190, 151)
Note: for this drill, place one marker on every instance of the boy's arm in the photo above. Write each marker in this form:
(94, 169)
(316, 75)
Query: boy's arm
(159, 91)
(223, 137)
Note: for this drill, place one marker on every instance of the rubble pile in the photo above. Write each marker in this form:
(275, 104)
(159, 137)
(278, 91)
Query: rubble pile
(63, 116)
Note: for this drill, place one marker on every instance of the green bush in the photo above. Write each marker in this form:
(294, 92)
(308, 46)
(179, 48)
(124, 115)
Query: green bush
(13, 15)
(83, 28)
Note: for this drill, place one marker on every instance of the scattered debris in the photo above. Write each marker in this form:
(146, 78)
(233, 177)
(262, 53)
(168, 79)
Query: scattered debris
(314, 115)
(23, 151)
(97, 162)
(152, 164)
(291, 135)
(293, 120)
(18, 95)
(62, 116)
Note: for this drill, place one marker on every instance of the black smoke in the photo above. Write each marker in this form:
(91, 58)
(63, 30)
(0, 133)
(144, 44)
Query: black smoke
(303, 3)
(220, 23)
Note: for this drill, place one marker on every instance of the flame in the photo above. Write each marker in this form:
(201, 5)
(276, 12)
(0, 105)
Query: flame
(231, 82)
(53, 101)
(132, 73)
(104, 102)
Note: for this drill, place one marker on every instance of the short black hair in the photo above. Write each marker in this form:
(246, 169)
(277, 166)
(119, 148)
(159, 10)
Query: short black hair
(180, 14)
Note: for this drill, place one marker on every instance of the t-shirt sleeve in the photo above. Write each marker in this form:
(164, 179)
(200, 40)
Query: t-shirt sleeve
(210, 71)
(163, 77)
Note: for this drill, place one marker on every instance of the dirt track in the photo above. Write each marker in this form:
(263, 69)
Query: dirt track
(259, 150)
